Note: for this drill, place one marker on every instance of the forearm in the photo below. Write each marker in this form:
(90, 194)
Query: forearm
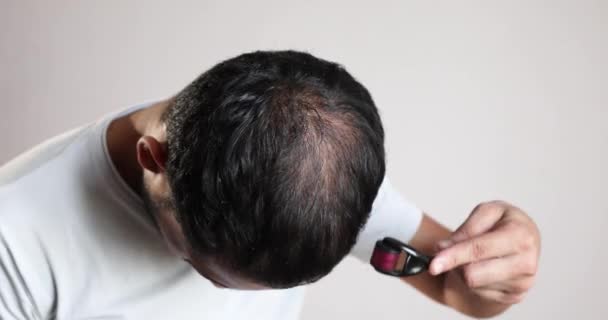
(449, 290)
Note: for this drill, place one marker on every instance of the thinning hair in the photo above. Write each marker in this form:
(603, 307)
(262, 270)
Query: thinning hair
(274, 160)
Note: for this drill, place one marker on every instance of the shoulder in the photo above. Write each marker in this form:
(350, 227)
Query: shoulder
(38, 155)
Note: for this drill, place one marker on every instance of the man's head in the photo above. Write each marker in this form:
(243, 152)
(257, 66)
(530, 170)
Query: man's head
(272, 162)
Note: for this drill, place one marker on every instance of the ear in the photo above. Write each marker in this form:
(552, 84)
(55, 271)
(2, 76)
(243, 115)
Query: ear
(151, 154)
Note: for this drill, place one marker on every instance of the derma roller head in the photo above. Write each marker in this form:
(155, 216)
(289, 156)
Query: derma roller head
(385, 258)
(394, 258)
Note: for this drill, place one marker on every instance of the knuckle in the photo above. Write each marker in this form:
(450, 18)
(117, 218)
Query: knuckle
(498, 203)
(466, 231)
(463, 233)
(529, 266)
(526, 242)
(491, 208)
(486, 206)
(478, 206)
(478, 250)
(495, 205)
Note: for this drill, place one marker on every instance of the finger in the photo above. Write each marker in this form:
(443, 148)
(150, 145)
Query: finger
(481, 220)
(500, 296)
(486, 246)
(515, 286)
(497, 270)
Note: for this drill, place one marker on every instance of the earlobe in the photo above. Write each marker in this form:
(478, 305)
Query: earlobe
(151, 154)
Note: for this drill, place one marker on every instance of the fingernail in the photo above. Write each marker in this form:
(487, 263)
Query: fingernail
(437, 267)
(444, 244)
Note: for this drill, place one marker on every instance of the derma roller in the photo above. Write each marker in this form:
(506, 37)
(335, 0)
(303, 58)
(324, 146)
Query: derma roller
(395, 258)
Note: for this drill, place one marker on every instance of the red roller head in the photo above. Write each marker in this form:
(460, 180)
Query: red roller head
(395, 258)
(384, 259)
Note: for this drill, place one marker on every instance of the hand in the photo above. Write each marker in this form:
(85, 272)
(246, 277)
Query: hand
(495, 252)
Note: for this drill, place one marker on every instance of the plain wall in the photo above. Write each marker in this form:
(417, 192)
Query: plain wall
(480, 100)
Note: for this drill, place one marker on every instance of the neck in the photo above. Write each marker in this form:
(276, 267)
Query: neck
(122, 136)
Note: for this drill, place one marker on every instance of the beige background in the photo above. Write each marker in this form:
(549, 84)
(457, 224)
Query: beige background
(480, 99)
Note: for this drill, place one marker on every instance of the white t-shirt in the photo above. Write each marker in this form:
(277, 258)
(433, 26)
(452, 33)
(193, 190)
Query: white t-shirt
(76, 243)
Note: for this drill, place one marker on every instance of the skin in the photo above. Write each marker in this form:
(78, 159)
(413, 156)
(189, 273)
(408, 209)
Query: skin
(486, 265)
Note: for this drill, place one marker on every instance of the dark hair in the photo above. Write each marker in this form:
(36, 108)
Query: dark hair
(274, 161)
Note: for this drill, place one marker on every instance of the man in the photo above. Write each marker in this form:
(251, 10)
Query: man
(263, 173)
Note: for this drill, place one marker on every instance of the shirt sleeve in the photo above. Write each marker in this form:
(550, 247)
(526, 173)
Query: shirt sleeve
(16, 296)
(392, 216)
